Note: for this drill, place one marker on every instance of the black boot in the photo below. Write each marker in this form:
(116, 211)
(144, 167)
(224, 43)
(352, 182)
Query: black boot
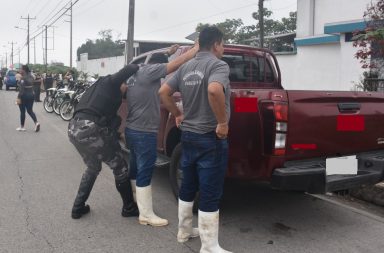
(79, 208)
(129, 206)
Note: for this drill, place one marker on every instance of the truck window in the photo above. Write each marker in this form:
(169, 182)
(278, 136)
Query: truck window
(249, 69)
(239, 68)
(139, 60)
(269, 74)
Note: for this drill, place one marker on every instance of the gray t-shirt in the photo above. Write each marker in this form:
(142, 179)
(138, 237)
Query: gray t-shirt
(192, 80)
(142, 98)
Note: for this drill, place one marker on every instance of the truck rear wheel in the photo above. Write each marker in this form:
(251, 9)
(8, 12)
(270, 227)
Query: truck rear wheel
(176, 176)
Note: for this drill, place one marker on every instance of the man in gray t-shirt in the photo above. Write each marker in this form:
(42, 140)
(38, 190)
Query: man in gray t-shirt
(204, 86)
(143, 122)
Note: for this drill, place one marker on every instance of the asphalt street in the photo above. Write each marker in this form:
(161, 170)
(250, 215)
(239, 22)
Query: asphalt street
(40, 173)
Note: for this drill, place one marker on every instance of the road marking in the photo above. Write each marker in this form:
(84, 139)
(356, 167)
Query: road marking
(353, 209)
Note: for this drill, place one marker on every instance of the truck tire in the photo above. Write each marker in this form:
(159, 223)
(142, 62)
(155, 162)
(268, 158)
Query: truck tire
(176, 175)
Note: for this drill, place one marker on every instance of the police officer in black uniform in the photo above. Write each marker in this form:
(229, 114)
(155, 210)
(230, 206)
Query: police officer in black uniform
(93, 131)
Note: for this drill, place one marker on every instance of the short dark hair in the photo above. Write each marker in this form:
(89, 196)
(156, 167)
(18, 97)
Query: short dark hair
(158, 58)
(25, 68)
(209, 36)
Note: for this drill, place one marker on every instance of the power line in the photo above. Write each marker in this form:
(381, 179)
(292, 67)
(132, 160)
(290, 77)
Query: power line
(199, 19)
(53, 22)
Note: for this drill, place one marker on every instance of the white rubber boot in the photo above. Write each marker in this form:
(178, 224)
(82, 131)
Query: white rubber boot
(209, 232)
(133, 185)
(186, 231)
(144, 202)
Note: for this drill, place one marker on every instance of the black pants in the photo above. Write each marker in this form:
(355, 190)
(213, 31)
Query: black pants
(1, 83)
(36, 90)
(46, 87)
(27, 105)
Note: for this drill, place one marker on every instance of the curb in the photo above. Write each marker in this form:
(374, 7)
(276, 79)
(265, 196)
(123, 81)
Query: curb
(373, 194)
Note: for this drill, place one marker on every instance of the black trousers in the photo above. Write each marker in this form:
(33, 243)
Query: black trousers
(36, 90)
(27, 105)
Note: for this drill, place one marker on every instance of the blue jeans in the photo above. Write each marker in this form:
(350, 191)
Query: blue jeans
(142, 160)
(204, 163)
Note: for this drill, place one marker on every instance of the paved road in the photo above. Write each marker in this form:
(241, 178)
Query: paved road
(40, 173)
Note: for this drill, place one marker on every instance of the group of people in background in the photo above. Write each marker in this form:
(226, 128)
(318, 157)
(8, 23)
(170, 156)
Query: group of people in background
(29, 87)
(203, 82)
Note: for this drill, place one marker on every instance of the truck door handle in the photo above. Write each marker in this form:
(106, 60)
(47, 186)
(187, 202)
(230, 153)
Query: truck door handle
(349, 107)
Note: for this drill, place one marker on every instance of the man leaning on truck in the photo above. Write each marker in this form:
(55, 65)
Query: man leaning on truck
(143, 122)
(204, 86)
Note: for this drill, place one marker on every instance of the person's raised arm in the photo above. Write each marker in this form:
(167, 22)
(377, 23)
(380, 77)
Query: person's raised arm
(180, 60)
(123, 74)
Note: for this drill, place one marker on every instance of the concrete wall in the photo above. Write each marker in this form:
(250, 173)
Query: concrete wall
(316, 13)
(102, 67)
(330, 66)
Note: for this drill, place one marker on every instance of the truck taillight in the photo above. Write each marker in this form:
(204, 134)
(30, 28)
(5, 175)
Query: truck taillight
(281, 112)
(281, 123)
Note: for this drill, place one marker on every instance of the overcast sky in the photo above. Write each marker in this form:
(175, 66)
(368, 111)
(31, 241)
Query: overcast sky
(164, 20)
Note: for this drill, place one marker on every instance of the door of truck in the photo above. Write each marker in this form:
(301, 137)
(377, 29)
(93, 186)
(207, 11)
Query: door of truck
(254, 80)
(334, 123)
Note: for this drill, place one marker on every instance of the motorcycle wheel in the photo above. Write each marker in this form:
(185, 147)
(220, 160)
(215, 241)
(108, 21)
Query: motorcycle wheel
(66, 110)
(48, 104)
(56, 104)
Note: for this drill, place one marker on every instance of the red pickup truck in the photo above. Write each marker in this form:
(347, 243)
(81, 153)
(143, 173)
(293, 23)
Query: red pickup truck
(288, 137)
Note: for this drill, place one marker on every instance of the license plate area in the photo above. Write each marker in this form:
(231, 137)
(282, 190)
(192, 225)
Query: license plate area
(346, 165)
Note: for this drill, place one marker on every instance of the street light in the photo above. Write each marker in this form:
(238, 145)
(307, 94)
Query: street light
(17, 27)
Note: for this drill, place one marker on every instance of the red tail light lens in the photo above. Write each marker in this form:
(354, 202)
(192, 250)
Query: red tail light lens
(281, 112)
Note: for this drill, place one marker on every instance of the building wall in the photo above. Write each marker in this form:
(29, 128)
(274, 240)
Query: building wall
(102, 67)
(323, 65)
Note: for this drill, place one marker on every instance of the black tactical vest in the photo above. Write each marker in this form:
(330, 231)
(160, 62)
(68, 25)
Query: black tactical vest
(102, 99)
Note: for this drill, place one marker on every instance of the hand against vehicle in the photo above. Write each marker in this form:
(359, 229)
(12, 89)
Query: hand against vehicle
(173, 49)
(179, 119)
(222, 130)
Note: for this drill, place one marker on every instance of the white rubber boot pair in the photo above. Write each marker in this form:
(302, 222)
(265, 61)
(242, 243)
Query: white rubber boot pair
(209, 232)
(186, 231)
(144, 202)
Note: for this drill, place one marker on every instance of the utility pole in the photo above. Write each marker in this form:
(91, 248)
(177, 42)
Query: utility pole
(130, 34)
(46, 48)
(261, 22)
(70, 45)
(6, 57)
(28, 19)
(12, 43)
(34, 50)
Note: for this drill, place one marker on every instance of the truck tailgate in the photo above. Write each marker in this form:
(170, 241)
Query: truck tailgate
(334, 123)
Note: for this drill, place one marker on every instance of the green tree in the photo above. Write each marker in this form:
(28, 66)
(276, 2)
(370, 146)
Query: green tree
(236, 32)
(102, 47)
(370, 44)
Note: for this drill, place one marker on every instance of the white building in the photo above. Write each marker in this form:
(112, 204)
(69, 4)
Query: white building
(324, 59)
